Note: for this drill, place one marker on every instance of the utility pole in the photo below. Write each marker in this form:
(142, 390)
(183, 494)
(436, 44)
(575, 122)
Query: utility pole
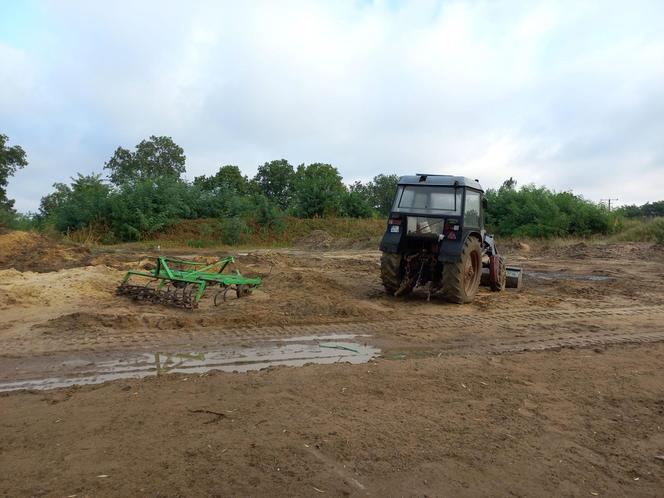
(609, 202)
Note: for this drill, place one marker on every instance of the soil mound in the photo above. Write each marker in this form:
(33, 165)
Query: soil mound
(513, 246)
(73, 285)
(644, 251)
(27, 251)
(317, 239)
(320, 239)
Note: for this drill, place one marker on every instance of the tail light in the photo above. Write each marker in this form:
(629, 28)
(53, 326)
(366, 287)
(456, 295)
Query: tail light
(451, 228)
(394, 225)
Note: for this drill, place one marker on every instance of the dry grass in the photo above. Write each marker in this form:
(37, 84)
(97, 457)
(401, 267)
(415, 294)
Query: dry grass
(642, 230)
(208, 233)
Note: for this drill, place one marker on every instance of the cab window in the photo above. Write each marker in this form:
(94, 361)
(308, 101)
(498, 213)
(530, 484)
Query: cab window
(471, 213)
(428, 198)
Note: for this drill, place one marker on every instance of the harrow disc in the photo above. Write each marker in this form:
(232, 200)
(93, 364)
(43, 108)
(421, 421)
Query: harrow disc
(243, 290)
(137, 292)
(220, 295)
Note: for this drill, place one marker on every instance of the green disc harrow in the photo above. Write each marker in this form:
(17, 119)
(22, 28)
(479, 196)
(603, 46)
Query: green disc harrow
(183, 283)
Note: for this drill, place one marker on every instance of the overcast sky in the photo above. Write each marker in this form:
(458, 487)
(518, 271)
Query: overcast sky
(565, 94)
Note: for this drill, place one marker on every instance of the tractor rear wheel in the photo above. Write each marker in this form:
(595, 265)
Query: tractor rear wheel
(390, 271)
(462, 279)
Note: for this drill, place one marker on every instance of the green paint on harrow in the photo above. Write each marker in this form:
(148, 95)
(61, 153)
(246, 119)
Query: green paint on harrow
(183, 283)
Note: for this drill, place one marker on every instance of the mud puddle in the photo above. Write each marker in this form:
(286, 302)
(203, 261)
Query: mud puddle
(554, 275)
(55, 372)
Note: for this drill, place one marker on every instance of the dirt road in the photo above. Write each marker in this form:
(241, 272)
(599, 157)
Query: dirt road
(553, 390)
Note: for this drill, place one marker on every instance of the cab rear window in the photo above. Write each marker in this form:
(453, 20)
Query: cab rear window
(427, 198)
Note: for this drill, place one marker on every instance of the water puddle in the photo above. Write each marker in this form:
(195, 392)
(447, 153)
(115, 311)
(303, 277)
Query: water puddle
(554, 275)
(56, 373)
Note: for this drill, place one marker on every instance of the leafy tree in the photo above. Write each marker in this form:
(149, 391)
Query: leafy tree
(630, 211)
(11, 159)
(139, 209)
(50, 203)
(83, 203)
(509, 184)
(647, 210)
(382, 191)
(653, 208)
(229, 178)
(207, 203)
(317, 190)
(267, 215)
(234, 230)
(275, 180)
(17, 221)
(356, 204)
(363, 189)
(538, 212)
(153, 158)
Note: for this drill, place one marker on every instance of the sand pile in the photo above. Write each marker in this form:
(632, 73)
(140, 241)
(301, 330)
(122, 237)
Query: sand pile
(92, 284)
(28, 251)
(317, 239)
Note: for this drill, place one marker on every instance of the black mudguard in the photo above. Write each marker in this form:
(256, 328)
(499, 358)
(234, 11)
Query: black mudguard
(391, 242)
(450, 250)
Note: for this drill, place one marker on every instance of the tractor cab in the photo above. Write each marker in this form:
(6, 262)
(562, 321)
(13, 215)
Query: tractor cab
(442, 209)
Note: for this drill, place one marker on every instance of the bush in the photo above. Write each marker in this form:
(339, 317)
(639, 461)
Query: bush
(268, 216)
(78, 206)
(138, 210)
(355, 205)
(16, 221)
(644, 231)
(649, 209)
(539, 212)
(7, 218)
(234, 231)
(317, 191)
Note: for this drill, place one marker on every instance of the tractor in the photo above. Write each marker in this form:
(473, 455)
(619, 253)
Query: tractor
(435, 239)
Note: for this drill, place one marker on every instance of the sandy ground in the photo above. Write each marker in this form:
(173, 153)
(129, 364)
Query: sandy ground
(555, 390)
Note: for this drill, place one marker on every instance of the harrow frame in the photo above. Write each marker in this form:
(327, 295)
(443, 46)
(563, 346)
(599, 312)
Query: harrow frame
(183, 283)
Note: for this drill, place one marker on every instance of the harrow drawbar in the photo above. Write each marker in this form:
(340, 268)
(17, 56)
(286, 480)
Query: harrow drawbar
(183, 283)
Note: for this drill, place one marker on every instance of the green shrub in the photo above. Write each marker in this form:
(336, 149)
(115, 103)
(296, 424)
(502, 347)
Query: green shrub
(74, 207)
(234, 231)
(354, 204)
(539, 212)
(16, 221)
(658, 231)
(138, 210)
(7, 218)
(268, 216)
(644, 231)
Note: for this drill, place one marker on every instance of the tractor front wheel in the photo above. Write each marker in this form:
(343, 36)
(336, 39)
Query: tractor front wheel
(499, 285)
(462, 279)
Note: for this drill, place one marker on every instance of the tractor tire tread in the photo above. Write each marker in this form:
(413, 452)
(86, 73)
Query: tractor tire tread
(390, 272)
(500, 285)
(453, 275)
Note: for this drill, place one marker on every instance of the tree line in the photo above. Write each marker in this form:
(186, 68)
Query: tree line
(532, 211)
(141, 192)
(647, 210)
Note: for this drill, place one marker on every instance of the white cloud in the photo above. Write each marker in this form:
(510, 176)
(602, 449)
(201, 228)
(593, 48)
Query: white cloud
(569, 94)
